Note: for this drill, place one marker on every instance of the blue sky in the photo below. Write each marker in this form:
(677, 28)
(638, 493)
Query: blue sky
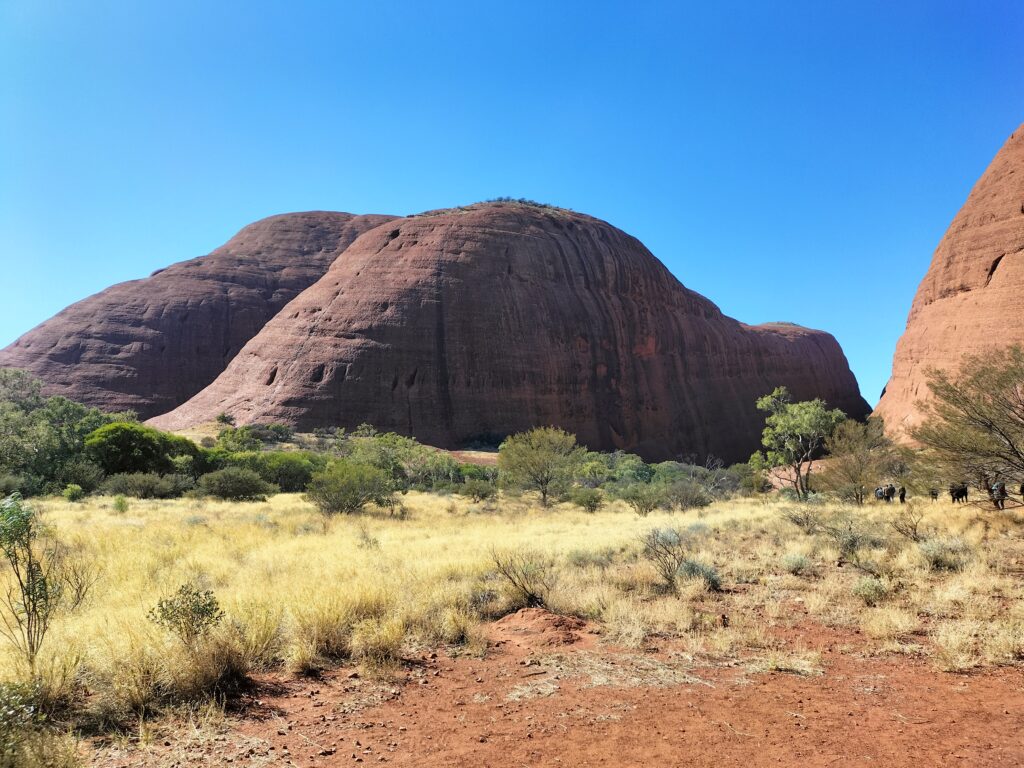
(792, 161)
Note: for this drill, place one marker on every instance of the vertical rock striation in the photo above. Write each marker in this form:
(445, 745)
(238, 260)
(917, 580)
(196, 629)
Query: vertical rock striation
(969, 301)
(478, 322)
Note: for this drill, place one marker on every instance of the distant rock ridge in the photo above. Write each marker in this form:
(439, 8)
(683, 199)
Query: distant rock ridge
(970, 299)
(494, 318)
(149, 345)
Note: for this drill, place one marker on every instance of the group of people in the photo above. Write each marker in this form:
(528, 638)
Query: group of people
(997, 493)
(889, 492)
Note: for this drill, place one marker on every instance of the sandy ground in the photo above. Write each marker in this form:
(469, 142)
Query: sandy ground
(547, 693)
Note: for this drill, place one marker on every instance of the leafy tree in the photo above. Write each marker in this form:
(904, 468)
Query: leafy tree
(974, 423)
(860, 456)
(129, 447)
(43, 580)
(347, 487)
(543, 459)
(644, 498)
(588, 499)
(236, 439)
(41, 439)
(794, 435)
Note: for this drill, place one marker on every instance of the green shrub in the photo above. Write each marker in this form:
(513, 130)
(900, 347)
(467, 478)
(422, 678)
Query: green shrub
(666, 549)
(26, 740)
(131, 448)
(347, 487)
(10, 484)
(797, 564)
(644, 498)
(120, 504)
(189, 613)
(941, 554)
(588, 499)
(686, 494)
(73, 492)
(478, 490)
(145, 485)
(236, 484)
(871, 589)
(529, 576)
(694, 569)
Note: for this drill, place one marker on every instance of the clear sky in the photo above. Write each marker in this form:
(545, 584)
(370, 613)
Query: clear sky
(792, 161)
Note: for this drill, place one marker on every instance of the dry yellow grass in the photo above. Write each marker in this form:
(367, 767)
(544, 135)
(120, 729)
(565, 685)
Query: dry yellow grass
(301, 591)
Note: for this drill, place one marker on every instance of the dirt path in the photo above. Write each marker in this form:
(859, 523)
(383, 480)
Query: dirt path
(548, 694)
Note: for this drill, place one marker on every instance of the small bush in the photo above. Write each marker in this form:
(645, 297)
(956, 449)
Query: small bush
(478, 490)
(25, 739)
(588, 499)
(120, 504)
(529, 575)
(871, 590)
(347, 487)
(797, 564)
(144, 485)
(686, 494)
(643, 498)
(694, 569)
(945, 554)
(73, 492)
(807, 520)
(189, 613)
(236, 484)
(667, 549)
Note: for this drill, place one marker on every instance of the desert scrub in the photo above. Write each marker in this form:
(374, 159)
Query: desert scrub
(945, 554)
(797, 564)
(691, 569)
(871, 589)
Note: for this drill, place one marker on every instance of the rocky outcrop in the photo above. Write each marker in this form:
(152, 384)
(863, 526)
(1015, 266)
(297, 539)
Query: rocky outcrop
(482, 321)
(149, 345)
(969, 301)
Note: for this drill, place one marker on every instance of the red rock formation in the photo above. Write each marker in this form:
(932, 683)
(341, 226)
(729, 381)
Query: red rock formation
(969, 300)
(149, 345)
(496, 318)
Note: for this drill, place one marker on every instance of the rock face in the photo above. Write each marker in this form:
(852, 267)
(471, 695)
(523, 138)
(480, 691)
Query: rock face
(149, 345)
(969, 300)
(486, 320)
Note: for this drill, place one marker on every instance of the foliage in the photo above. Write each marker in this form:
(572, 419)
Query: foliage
(644, 498)
(974, 424)
(797, 564)
(859, 457)
(346, 487)
(694, 569)
(236, 439)
(26, 740)
(945, 554)
(530, 576)
(189, 613)
(543, 459)
(871, 589)
(478, 490)
(120, 505)
(236, 484)
(667, 549)
(146, 485)
(73, 492)
(128, 447)
(588, 499)
(291, 471)
(44, 580)
(794, 435)
(41, 439)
